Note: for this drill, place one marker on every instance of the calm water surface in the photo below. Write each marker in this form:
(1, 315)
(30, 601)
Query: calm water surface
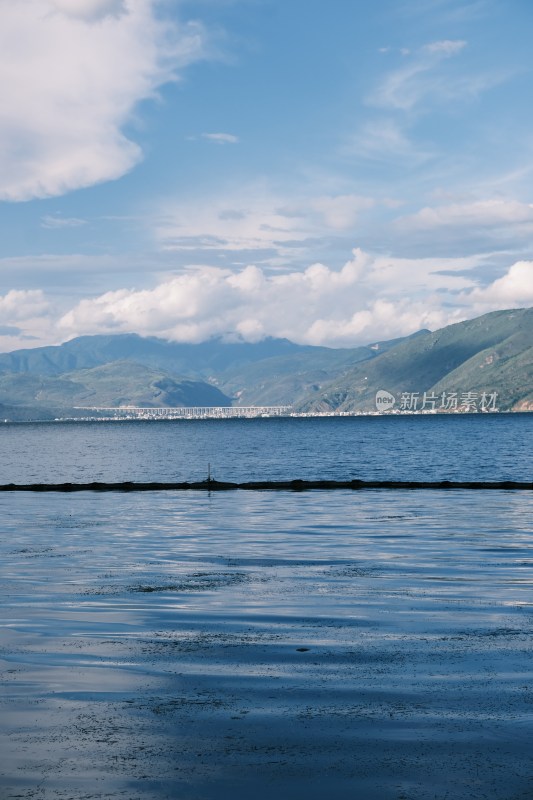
(178, 645)
(469, 447)
(166, 646)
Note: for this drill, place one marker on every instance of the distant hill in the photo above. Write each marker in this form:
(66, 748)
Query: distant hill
(201, 360)
(119, 383)
(493, 353)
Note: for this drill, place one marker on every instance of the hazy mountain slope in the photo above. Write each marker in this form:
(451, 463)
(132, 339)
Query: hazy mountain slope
(115, 384)
(440, 360)
(200, 360)
(287, 380)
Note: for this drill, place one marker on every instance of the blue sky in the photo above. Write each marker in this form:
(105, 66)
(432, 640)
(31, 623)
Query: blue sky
(333, 172)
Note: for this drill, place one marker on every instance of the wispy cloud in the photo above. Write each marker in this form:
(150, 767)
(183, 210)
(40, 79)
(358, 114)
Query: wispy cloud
(341, 212)
(255, 223)
(58, 222)
(485, 213)
(385, 139)
(432, 77)
(446, 47)
(494, 226)
(220, 138)
(406, 87)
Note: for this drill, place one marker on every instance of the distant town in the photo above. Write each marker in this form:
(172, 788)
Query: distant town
(111, 414)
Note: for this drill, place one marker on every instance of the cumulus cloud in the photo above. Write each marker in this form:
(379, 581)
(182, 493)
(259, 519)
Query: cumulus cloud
(369, 297)
(20, 305)
(25, 316)
(71, 75)
(512, 290)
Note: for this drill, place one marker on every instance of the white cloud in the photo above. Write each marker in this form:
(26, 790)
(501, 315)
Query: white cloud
(70, 78)
(425, 79)
(512, 290)
(221, 138)
(245, 221)
(20, 305)
(26, 318)
(404, 277)
(370, 297)
(478, 213)
(255, 220)
(383, 319)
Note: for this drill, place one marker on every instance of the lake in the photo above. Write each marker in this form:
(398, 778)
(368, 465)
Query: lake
(454, 447)
(373, 644)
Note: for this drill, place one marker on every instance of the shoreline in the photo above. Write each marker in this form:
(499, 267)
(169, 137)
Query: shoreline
(167, 417)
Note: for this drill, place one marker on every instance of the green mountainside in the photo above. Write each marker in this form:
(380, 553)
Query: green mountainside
(289, 379)
(491, 354)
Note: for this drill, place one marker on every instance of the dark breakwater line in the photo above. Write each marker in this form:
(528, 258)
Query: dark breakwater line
(211, 485)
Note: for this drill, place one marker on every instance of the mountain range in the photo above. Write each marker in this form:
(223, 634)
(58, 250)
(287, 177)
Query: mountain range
(491, 355)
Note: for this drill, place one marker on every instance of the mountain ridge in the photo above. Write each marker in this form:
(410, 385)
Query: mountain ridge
(493, 353)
